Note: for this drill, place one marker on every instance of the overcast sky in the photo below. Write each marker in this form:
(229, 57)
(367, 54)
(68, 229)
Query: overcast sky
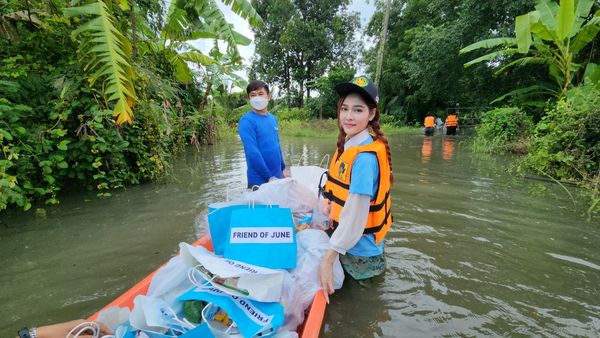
(365, 8)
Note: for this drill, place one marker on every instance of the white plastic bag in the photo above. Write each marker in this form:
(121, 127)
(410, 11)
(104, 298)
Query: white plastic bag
(172, 276)
(287, 193)
(301, 286)
(262, 284)
(308, 176)
(156, 316)
(114, 316)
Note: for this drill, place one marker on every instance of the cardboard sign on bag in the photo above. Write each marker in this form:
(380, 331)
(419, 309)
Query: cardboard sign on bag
(263, 237)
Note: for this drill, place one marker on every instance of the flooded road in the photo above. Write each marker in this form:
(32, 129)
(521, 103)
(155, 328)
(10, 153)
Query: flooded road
(474, 250)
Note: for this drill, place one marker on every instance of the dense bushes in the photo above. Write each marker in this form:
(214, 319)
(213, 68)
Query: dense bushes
(503, 129)
(289, 114)
(566, 145)
(56, 130)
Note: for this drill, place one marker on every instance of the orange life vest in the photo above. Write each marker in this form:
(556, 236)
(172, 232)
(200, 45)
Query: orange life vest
(429, 122)
(337, 189)
(451, 121)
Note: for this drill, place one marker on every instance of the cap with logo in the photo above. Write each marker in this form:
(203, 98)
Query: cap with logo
(360, 85)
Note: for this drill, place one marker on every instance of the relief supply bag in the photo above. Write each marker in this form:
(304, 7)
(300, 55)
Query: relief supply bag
(308, 176)
(263, 237)
(154, 316)
(234, 277)
(286, 193)
(251, 317)
(219, 215)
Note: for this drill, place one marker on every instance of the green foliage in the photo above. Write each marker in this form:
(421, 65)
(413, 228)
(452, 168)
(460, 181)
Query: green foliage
(329, 128)
(107, 52)
(300, 41)
(309, 128)
(389, 120)
(288, 114)
(502, 130)
(567, 145)
(56, 125)
(326, 104)
(557, 33)
(422, 70)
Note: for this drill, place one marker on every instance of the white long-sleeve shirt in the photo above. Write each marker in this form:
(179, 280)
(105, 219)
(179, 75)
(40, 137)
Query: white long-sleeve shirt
(355, 212)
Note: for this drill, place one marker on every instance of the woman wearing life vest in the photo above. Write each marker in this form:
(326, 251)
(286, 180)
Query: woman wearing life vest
(358, 187)
(451, 123)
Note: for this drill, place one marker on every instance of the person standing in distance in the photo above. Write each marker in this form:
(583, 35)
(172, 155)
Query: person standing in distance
(451, 123)
(429, 124)
(258, 130)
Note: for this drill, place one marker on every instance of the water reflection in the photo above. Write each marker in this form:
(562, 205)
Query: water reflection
(471, 252)
(426, 149)
(448, 148)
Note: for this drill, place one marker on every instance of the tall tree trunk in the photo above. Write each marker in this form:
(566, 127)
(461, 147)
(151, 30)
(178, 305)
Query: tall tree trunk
(382, 43)
(309, 77)
(286, 81)
(301, 82)
(301, 92)
(134, 50)
(205, 98)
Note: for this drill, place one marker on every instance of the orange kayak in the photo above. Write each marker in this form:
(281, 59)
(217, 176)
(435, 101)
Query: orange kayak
(310, 328)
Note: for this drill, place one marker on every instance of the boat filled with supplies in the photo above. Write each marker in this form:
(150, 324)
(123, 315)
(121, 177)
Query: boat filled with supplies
(255, 272)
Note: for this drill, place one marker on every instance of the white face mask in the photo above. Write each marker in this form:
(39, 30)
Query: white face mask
(259, 102)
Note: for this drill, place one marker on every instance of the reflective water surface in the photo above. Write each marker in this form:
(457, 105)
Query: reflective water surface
(474, 250)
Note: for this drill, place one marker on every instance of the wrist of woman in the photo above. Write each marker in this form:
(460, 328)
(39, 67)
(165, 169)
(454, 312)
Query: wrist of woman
(30, 332)
(330, 256)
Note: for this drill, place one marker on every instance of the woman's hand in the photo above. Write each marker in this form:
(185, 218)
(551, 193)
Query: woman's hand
(326, 273)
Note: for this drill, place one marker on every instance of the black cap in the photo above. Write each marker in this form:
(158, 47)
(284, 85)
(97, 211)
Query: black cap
(360, 85)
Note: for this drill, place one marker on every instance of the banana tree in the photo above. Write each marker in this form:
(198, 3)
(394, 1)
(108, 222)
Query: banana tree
(553, 34)
(107, 51)
(220, 77)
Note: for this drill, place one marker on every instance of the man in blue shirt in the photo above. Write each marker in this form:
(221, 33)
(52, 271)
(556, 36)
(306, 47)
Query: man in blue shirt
(259, 134)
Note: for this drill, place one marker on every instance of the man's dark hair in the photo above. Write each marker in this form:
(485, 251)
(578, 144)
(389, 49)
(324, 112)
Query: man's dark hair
(256, 85)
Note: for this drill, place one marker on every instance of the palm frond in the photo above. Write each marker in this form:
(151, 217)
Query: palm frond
(533, 90)
(491, 56)
(489, 43)
(244, 9)
(527, 60)
(108, 57)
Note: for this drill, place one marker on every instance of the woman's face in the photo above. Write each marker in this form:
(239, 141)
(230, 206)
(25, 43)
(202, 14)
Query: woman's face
(355, 115)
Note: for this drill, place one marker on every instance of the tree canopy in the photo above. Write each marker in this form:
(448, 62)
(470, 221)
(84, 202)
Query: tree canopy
(300, 41)
(422, 68)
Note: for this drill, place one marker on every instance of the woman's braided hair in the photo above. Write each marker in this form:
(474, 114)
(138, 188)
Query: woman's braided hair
(374, 128)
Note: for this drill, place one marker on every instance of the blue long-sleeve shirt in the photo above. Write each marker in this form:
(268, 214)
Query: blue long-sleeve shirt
(260, 137)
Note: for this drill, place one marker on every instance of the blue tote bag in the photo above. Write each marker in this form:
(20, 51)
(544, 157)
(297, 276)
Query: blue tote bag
(219, 215)
(262, 236)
